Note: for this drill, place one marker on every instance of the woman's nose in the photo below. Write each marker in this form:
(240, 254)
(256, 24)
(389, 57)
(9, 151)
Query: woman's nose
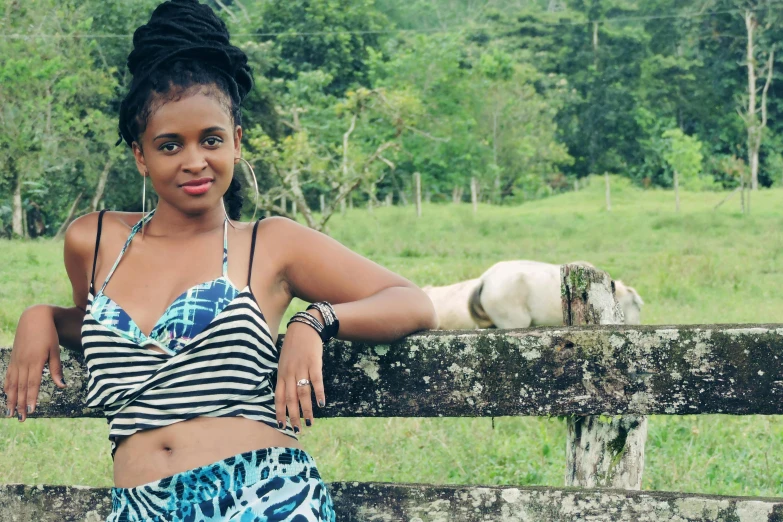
(194, 160)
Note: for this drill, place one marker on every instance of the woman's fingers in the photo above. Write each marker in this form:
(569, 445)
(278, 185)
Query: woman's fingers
(280, 403)
(56, 367)
(304, 391)
(33, 387)
(292, 402)
(10, 388)
(317, 380)
(301, 360)
(21, 394)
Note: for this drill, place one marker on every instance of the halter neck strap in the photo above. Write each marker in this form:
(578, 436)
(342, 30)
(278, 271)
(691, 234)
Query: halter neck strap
(225, 248)
(135, 229)
(144, 220)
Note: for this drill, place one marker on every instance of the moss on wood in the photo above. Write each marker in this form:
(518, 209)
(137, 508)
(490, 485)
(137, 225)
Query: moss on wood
(596, 370)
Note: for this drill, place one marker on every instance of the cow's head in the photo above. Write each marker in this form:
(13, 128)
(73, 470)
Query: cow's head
(630, 301)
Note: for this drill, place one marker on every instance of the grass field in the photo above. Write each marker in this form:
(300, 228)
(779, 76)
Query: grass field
(698, 266)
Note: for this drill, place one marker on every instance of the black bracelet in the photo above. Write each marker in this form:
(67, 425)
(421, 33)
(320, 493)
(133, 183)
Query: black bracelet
(308, 319)
(312, 325)
(331, 323)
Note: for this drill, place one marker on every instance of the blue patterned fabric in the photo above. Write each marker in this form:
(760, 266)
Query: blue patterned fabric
(270, 484)
(184, 319)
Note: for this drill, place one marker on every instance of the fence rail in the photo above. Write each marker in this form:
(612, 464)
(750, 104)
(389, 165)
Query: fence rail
(378, 502)
(594, 370)
(580, 372)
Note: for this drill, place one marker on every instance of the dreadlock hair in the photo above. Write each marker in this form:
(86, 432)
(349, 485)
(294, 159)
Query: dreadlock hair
(184, 47)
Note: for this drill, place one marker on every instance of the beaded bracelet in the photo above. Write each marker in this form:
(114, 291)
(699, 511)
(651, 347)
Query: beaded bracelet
(308, 319)
(331, 323)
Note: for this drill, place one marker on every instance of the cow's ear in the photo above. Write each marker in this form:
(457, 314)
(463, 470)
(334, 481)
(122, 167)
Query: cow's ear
(636, 297)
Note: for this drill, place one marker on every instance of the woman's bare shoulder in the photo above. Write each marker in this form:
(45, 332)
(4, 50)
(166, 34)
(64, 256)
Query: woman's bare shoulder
(271, 240)
(82, 232)
(277, 228)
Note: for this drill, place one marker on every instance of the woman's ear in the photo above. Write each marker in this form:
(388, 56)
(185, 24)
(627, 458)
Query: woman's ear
(138, 155)
(237, 143)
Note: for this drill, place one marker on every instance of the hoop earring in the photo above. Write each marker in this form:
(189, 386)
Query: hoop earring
(222, 202)
(255, 184)
(143, 204)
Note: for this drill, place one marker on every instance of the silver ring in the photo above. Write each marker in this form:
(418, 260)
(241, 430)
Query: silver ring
(303, 382)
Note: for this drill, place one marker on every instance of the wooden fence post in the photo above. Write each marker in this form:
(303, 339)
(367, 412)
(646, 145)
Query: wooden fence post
(322, 202)
(417, 178)
(601, 451)
(474, 194)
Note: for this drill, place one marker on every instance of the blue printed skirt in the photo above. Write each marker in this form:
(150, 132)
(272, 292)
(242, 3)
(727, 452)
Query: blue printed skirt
(280, 484)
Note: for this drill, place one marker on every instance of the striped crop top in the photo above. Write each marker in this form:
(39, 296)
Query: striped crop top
(218, 361)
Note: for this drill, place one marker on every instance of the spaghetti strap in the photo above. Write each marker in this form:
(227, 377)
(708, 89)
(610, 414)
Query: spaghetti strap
(252, 251)
(225, 248)
(135, 229)
(97, 242)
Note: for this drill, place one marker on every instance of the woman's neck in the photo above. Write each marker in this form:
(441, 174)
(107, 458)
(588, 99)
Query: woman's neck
(171, 222)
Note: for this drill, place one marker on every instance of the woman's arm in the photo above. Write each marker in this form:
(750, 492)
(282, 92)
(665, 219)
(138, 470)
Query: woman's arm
(78, 252)
(42, 329)
(372, 304)
(68, 322)
(387, 315)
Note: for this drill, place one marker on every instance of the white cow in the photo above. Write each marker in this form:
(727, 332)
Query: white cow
(514, 294)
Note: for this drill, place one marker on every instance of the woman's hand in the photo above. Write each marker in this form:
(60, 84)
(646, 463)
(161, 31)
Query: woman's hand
(301, 357)
(35, 343)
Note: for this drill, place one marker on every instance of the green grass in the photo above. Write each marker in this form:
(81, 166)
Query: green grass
(698, 266)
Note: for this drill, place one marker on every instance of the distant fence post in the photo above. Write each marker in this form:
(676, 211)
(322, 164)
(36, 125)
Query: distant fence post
(322, 202)
(417, 178)
(474, 194)
(601, 451)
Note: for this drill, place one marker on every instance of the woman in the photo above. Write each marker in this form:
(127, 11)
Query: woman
(182, 367)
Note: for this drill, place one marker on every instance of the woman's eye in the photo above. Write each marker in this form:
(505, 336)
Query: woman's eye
(168, 147)
(213, 142)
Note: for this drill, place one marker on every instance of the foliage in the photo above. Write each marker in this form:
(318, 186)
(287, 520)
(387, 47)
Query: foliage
(364, 126)
(525, 97)
(53, 104)
(321, 35)
(683, 154)
(680, 265)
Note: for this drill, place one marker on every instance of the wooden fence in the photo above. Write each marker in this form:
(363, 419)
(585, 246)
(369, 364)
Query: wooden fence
(585, 371)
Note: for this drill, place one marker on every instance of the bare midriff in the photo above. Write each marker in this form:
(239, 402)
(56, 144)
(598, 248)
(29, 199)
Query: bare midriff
(150, 455)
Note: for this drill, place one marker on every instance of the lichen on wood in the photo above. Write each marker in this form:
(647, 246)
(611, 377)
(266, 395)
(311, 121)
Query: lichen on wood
(599, 452)
(596, 370)
(375, 502)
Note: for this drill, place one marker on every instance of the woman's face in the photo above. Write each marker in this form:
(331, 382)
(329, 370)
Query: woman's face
(189, 149)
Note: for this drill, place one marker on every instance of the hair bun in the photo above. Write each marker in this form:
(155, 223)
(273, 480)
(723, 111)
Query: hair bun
(188, 30)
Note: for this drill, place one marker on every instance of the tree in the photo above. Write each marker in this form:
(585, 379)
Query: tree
(332, 37)
(685, 158)
(484, 116)
(313, 159)
(756, 125)
(52, 99)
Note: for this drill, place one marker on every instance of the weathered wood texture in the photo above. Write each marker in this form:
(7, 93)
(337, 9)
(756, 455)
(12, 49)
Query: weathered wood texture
(548, 371)
(587, 295)
(600, 452)
(378, 502)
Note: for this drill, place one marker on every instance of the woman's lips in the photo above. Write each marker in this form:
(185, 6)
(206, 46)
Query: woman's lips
(197, 187)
